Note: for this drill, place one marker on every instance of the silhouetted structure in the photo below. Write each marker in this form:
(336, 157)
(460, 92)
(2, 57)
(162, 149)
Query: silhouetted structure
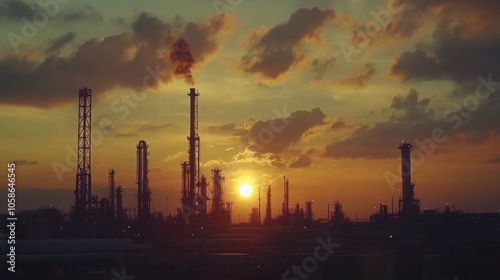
(202, 196)
(409, 207)
(218, 192)
(83, 188)
(338, 214)
(119, 204)
(143, 191)
(309, 212)
(194, 146)
(111, 186)
(286, 205)
(268, 218)
(254, 216)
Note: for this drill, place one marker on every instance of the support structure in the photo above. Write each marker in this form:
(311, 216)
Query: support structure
(119, 204)
(185, 183)
(218, 192)
(286, 205)
(111, 185)
(143, 191)
(309, 212)
(268, 218)
(83, 188)
(202, 198)
(194, 146)
(408, 206)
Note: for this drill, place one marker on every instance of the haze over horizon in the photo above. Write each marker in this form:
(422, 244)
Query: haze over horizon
(319, 91)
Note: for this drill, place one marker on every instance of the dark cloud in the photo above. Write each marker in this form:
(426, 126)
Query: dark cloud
(410, 107)
(278, 49)
(413, 119)
(464, 46)
(202, 36)
(58, 43)
(360, 79)
(409, 121)
(275, 135)
(399, 21)
(301, 162)
(16, 10)
(319, 67)
(156, 127)
(125, 135)
(84, 13)
(339, 123)
(126, 60)
(24, 162)
(150, 29)
(229, 128)
(495, 160)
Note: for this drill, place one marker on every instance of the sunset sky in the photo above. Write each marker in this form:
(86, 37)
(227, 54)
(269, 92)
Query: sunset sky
(320, 91)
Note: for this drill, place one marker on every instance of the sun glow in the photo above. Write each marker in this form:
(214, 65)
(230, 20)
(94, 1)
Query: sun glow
(245, 190)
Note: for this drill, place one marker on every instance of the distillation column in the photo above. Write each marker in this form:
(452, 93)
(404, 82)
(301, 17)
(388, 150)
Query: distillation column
(408, 206)
(111, 185)
(218, 191)
(286, 205)
(143, 191)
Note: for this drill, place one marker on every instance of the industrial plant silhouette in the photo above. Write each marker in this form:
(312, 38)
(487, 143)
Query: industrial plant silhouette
(99, 237)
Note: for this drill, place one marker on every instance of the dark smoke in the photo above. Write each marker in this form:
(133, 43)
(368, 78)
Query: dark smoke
(181, 55)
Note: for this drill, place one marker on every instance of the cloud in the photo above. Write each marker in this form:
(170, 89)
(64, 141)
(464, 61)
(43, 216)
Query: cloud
(275, 135)
(132, 59)
(464, 46)
(125, 135)
(16, 10)
(320, 67)
(58, 43)
(156, 127)
(410, 107)
(213, 163)
(84, 13)
(301, 162)
(412, 118)
(24, 162)
(339, 123)
(176, 155)
(279, 49)
(228, 128)
(495, 160)
(360, 79)
(396, 22)
(263, 159)
(203, 36)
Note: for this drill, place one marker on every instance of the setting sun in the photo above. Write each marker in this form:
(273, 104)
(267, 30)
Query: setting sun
(245, 190)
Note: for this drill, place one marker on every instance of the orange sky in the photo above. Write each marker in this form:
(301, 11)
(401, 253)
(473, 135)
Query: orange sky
(319, 91)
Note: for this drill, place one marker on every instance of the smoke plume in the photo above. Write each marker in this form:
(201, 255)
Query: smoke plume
(181, 55)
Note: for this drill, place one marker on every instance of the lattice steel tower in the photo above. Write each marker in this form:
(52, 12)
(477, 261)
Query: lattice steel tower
(83, 189)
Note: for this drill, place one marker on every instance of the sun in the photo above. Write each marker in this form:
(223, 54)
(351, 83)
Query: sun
(245, 190)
